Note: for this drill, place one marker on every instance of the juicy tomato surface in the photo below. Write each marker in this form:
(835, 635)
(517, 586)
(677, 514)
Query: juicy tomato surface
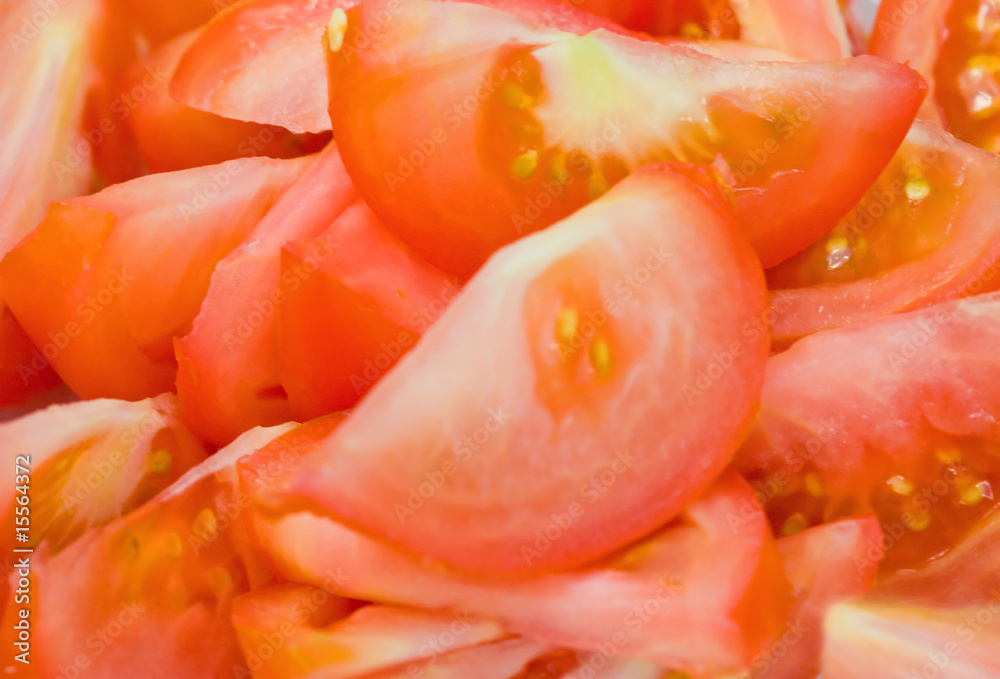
(229, 375)
(92, 461)
(357, 301)
(24, 371)
(172, 136)
(927, 231)
(703, 595)
(107, 281)
(600, 313)
(901, 419)
(955, 45)
(151, 589)
(435, 124)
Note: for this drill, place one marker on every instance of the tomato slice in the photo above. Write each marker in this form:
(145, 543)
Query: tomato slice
(331, 642)
(107, 281)
(172, 136)
(965, 576)
(955, 45)
(264, 61)
(703, 595)
(50, 66)
(152, 589)
(357, 301)
(824, 564)
(91, 462)
(866, 640)
(812, 29)
(504, 120)
(597, 319)
(900, 418)
(925, 232)
(229, 377)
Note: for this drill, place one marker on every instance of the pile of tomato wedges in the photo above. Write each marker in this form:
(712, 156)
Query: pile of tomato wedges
(505, 339)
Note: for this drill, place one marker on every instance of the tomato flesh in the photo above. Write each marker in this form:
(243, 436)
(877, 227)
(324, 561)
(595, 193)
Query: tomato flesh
(229, 375)
(569, 116)
(107, 281)
(714, 575)
(589, 350)
(925, 232)
(357, 301)
(900, 420)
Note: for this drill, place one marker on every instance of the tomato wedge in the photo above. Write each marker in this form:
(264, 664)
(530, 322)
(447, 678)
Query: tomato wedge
(172, 136)
(51, 64)
(152, 589)
(824, 564)
(954, 44)
(229, 375)
(91, 462)
(318, 635)
(597, 319)
(107, 281)
(264, 60)
(506, 123)
(703, 595)
(927, 231)
(163, 20)
(356, 301)
(900, 418)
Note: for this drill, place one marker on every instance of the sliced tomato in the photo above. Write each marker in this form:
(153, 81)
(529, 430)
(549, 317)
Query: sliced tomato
(825, 564)
(964, 576)
(172, 136)
(539, 364)
(24, 371)
(504, 120)
(90, 462)
(703, 595)
(150, 590)
(318, 636)
(900, 418)
(356, 301)
(52, 64)
(229, 376)
(107, 281)
(955, 45)
(864, 640)
(806, 29)
(927, 231)
(264, 61)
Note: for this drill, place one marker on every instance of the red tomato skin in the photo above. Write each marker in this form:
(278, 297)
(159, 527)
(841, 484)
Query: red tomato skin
(356, 288)
(96, 287)
(229, 375)
(172, 136)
